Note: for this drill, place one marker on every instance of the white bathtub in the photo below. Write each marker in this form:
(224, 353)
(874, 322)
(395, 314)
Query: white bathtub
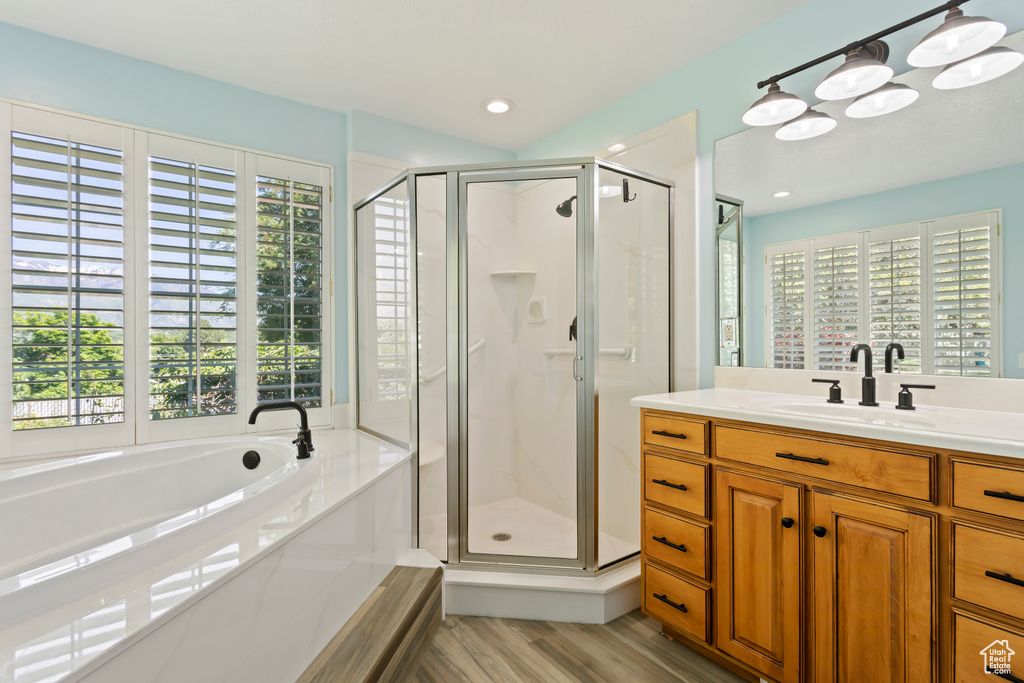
(104, 556)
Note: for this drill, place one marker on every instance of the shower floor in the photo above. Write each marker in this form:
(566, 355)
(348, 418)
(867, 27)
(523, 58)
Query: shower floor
(534, 531)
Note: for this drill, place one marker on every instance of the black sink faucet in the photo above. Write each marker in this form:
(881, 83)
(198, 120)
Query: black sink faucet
(305, 441)
(898, 348)
(867, 383)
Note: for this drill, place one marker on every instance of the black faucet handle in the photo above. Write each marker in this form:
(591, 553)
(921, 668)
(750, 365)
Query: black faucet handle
(905, 399)
(835, 394)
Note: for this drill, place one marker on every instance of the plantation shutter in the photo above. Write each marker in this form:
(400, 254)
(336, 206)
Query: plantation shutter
(895, 303)
(836, 302)
(787, 287)
(290, 285)
(193, 280)
(67, 276)
(963, 274)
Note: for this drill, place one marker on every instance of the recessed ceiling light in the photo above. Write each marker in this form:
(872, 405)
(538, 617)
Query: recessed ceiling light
(783, 193)
(617, 147)
(498, 106)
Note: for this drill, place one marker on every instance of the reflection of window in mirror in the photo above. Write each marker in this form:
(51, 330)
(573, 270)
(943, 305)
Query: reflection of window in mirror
(728, 300)
(931, 286)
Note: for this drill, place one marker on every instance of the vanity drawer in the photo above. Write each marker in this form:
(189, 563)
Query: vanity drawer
(675, 433)
(988, 488)
(676, 483)
(977, 551)
(676, 602)
(971, 636)
(682, 544)
(901, 473)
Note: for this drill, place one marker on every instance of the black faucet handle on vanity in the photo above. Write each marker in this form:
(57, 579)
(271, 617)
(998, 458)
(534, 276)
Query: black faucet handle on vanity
(898, 348)
(867, 383)
(835, 394)
(304, 442)
(905, 399)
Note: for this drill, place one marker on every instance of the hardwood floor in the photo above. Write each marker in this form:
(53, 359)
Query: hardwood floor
(631, 648)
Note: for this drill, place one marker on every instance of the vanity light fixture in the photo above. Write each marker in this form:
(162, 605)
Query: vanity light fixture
(864, 70)
(775, 107)
(781, 194)
(984, 66)
(885, 100)
(497, 105)
(808, 125)
(958, 37)
(616, 148)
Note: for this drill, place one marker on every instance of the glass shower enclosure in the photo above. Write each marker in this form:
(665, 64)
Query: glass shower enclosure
(505, 316)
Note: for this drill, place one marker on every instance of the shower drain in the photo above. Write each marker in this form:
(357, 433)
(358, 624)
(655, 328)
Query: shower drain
(501, 537)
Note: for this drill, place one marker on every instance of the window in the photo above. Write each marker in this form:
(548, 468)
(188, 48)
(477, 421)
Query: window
(193, 331)
(289, 281)
(156, 279)
(931, 286)
(67, 282)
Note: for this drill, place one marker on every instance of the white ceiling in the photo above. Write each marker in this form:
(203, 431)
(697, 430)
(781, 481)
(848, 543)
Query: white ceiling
(944, 134)
(425, 62)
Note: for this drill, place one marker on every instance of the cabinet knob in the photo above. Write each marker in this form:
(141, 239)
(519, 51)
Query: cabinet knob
(820, 531)
(787, 522)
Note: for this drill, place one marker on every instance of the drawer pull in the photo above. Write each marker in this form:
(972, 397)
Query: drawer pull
(681, 487)
(1008, 578)
(662, 539)
(664, 599)
(787, 522)
(1008, 677)
(1005, 495)
(790, 456)
(669, 434)
(820, 531)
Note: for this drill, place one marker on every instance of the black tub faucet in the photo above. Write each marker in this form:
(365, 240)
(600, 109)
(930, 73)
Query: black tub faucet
(867, 383)
(304, 442)
(898, 348)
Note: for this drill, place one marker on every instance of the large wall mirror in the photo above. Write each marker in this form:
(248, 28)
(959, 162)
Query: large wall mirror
(907, 227)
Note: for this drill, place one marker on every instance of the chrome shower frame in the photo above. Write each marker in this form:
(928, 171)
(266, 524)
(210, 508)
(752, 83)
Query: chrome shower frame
(457, 178)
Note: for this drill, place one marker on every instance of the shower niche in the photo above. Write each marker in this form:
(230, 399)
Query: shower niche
(505, 317)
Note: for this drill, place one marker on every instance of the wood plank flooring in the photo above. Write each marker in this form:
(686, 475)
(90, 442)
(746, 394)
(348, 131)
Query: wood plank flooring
(631, 648)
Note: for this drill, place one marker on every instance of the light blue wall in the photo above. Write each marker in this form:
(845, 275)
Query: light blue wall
(999, 188)
(722, 84)
(71, 76)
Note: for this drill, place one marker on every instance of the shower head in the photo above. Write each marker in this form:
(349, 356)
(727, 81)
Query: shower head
(565, 208)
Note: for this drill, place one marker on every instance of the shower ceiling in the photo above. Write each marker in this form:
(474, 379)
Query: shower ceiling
(425, 62)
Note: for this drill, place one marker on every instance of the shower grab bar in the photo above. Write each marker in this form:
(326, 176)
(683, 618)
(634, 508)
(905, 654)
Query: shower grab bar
(623, 352)
(477, 345)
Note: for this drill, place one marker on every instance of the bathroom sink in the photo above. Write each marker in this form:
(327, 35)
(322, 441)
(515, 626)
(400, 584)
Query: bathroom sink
(927, 417)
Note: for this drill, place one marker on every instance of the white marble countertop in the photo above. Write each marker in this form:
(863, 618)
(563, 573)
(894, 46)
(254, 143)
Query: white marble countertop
(979, 431)
(345, 463)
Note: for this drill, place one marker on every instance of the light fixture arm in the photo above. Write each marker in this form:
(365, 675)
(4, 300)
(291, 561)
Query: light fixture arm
(861, 43)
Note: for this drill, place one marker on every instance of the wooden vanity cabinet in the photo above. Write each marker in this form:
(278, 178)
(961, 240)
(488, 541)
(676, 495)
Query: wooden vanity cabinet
(757, 540)
(873, 589)
(835, 565)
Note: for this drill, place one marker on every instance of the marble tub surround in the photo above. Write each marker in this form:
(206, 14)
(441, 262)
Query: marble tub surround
(256, 601)
(975, 393)
(980, 431)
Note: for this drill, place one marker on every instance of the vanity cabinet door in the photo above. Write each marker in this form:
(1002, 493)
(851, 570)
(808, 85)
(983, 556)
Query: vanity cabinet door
(873, 571)
(758, 591)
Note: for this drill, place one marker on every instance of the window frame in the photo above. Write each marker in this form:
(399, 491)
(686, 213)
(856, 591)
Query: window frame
(137, 144)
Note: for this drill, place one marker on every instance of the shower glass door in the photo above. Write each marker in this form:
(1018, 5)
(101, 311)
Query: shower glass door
(521, 315)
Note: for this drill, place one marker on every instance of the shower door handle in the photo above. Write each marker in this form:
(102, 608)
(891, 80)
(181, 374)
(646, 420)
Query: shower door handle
(575, 368)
